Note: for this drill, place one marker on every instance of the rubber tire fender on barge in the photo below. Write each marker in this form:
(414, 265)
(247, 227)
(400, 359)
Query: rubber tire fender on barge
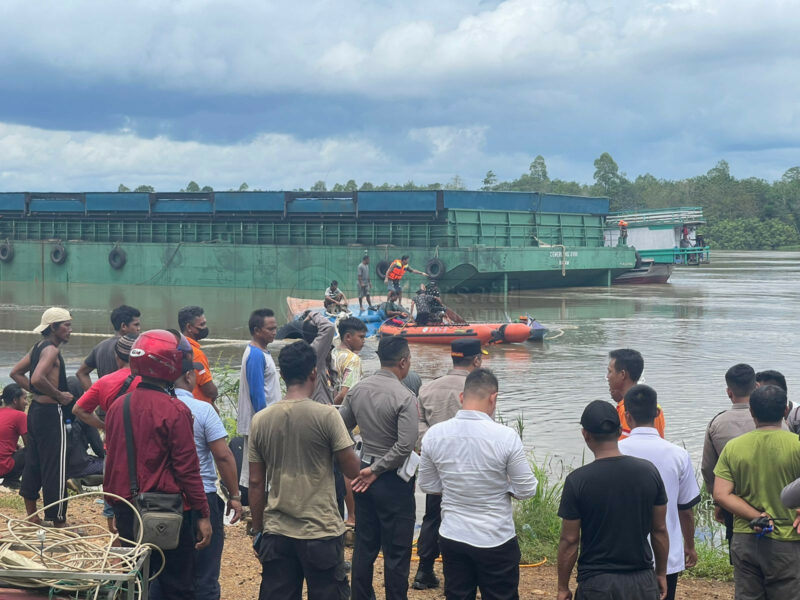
(381, 268)
(58, 254)
(6, 252)
(435, 268)
(117, 258)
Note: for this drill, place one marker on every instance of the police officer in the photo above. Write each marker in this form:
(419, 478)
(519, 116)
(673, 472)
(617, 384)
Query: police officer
(386, 412)
(438, 401)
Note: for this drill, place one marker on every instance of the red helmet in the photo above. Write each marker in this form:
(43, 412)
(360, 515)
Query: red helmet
(157, 354)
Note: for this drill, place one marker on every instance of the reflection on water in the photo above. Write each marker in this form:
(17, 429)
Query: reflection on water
(743, 307)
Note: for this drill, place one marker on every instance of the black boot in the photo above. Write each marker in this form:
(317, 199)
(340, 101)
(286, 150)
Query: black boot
(425, 580)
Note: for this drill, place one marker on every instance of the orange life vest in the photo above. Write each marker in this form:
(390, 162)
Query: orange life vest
(396, 270)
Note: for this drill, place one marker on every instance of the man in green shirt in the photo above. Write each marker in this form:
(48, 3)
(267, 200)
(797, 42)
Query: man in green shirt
(750, 474)
(390, 308)
(292, 446)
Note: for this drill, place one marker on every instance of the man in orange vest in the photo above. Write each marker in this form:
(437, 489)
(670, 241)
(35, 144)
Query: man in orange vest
(625, 367)
(394, 274)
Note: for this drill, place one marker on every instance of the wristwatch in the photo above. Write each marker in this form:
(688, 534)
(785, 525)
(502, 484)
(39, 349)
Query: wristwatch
(237, 497)
(252, 532)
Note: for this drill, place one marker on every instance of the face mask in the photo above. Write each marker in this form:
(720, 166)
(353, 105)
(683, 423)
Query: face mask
(202, 334)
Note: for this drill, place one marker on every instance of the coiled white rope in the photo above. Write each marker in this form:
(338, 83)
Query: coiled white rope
(30, 546)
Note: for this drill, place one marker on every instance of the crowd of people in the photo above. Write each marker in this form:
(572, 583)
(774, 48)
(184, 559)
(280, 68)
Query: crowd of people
(337, 449)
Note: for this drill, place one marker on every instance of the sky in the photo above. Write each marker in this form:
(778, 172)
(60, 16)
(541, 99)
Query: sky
(282, 94)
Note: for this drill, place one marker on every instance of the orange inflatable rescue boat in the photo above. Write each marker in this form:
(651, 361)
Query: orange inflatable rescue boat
(487, 333)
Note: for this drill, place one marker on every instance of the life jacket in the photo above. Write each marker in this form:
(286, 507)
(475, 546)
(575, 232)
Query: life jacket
(396, 270)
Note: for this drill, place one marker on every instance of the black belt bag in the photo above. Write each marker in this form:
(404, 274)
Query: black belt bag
(161, 513)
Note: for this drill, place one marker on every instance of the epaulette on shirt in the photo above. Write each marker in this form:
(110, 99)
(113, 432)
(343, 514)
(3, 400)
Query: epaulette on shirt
(711, 422)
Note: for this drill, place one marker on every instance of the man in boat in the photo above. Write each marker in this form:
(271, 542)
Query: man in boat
(394, 275)
(391, 308)
(625, 367)
(429, 307)
(475, 482)
(335, 301)
(439, 400)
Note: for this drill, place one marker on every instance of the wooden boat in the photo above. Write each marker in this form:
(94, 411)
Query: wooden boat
(487, 333)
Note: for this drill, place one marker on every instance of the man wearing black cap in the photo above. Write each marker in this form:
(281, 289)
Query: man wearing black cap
(608, 508)
(386, 412)
(439, 401)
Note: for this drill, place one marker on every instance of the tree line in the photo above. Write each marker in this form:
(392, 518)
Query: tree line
(742, 214)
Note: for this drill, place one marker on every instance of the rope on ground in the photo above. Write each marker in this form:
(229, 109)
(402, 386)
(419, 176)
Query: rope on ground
(70, 548)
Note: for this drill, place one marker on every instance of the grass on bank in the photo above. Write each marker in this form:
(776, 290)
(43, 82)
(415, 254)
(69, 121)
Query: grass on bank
(539, 527)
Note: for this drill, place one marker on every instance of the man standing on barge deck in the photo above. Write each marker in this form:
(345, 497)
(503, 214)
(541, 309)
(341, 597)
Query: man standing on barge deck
(394, 275)
(46, 453)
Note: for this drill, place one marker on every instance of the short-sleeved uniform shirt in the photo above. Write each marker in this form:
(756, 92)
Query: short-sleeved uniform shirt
(296, 441)
(13, 424)
(614, 499)
(348, 365)
(103, 357)
(760, 464)
(204, 374)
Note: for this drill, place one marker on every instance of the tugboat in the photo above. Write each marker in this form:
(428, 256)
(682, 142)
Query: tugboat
(662, 239)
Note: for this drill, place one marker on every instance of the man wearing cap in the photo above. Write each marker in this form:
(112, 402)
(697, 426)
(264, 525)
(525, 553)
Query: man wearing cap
(46, 453)
(476, 465)
(386, 412)
(439, 400)
(610, 527)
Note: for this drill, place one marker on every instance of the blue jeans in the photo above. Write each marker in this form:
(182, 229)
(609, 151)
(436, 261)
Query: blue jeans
(207, 561)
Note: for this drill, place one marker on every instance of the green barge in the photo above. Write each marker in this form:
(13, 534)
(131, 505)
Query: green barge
(471, 241)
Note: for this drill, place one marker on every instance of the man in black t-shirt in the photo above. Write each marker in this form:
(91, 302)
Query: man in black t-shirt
(610, 506)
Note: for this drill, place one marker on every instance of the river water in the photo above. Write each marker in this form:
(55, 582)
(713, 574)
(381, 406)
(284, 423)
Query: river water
(744, 307)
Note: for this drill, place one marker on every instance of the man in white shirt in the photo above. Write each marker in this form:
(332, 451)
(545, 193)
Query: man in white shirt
(675, 467)
(477, 465)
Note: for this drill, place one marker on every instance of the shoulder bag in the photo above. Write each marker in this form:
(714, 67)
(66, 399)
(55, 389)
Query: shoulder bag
(161, 513)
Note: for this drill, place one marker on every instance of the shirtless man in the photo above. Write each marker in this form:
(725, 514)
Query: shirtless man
(46, 454)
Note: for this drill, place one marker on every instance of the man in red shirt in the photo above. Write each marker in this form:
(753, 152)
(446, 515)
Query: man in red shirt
(166, 457)
(13, 425)
(108, 388)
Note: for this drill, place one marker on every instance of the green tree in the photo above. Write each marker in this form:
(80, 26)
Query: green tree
(319, 186)
(207, 188)
(145, 188)
(456, 183)
(538, 172)
(338, 187)
(192, 186)
(350, 186)
(367, 187)
(244, 187)
(489, 181)
(123, 188)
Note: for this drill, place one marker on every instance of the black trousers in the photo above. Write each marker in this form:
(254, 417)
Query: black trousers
(46, 459)
(384, 522)
(494, 570)
(19, 465)
(672, 585)
(209, 560)
(176, 581)
(286, 562)
(428, 541)
(641, 585)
